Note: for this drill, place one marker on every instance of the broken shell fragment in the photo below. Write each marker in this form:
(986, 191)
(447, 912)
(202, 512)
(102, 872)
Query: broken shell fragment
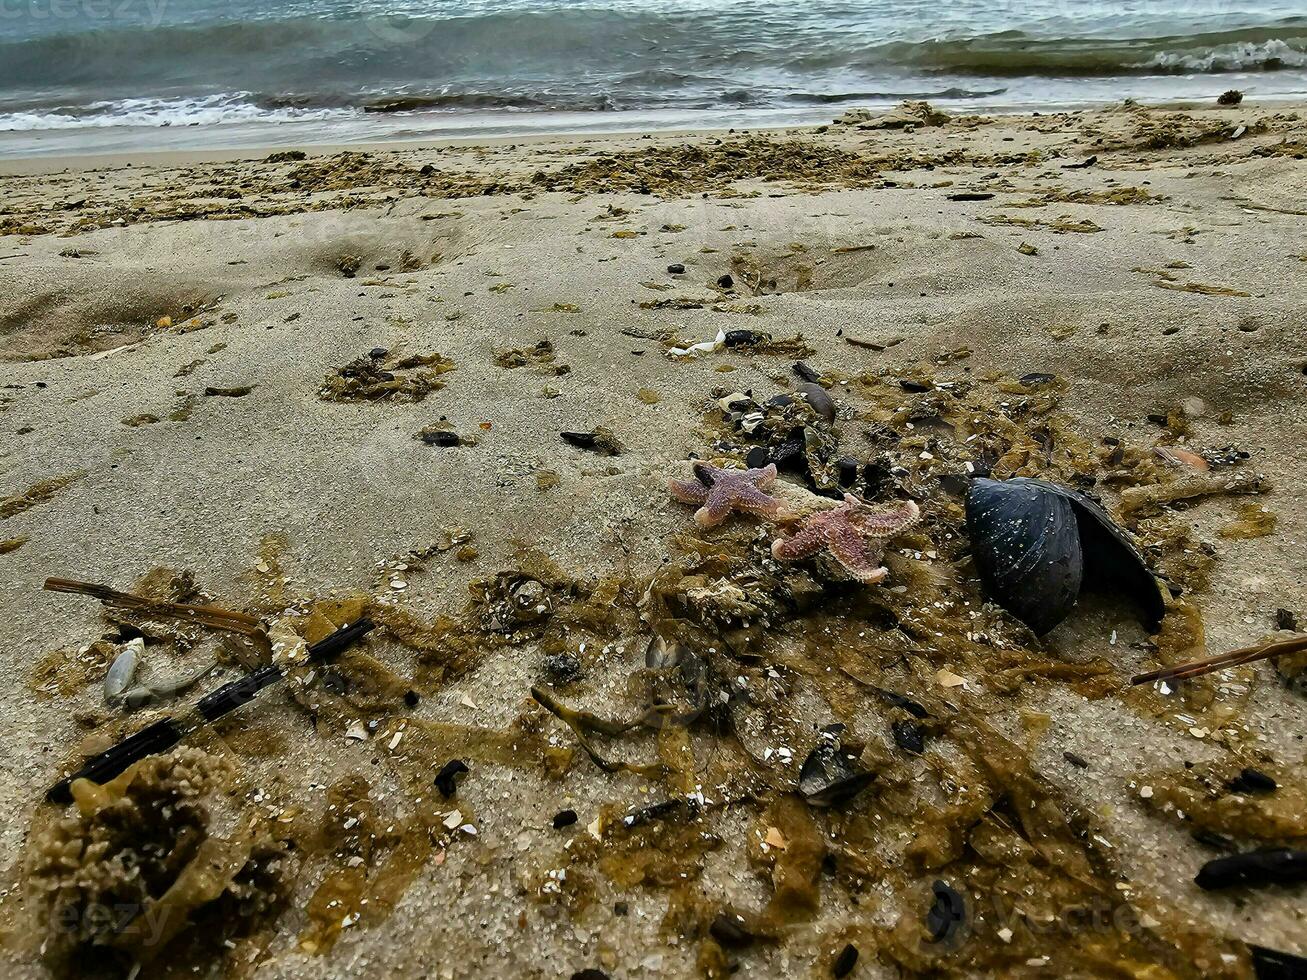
(662, 652)
(827, 777)
(1036, 544)
(947, 913)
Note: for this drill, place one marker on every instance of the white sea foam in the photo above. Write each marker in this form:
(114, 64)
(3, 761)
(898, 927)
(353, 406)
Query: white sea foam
(215, 110)
(1230, 57)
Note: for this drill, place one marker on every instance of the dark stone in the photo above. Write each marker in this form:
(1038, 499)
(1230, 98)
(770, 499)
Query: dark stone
(1253, 781)
(564, 818)
(621, 908)
(439, 437)
(845, 962)
(589, 973)
(916, 387)
(1286, 620)
(1075, 760)
(377, 353)
(676, 269)
(562, 668)
(445, 778)
(726, 281)
(757, 458)
(1268, 866)
(411, 699)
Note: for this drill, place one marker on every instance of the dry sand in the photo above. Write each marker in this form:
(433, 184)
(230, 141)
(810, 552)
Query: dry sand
(244, 258)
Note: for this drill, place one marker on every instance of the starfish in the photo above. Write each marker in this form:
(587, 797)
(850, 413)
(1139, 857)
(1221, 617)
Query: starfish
(722, 491)
(853, 533)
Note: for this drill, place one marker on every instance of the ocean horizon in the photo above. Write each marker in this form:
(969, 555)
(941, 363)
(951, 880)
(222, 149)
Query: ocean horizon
(82, 76)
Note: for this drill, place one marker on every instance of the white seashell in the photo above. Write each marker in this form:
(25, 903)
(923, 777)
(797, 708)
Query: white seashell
(123, 670)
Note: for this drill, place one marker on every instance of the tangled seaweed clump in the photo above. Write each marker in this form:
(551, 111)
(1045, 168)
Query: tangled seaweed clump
(140, 866)
(379, 376)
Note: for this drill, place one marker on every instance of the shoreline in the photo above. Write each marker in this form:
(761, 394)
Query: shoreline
(43, 162)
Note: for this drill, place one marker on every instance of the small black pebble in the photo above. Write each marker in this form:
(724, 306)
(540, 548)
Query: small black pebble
(411, 699)
(1286, 620)
(563, 668)
(439, 437)
(377, 353)
(1268, 866)
(845, 962)
(582, 440)
(445, 778)
(589, 973)
(915, 387)
(564, 818)
(909, 736)
(949, 910)
(676, 269)
(1075, 760)
(726, 282)
(757, 458)
(620, 908)
(1253, 781)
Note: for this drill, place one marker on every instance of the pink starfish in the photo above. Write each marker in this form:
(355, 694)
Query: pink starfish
(854, 534)
(722, 491)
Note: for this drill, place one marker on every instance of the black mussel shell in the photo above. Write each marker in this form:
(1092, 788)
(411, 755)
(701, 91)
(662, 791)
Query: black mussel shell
(1035, 545)
(1027, 549)
(828, 777)
(1112, 560)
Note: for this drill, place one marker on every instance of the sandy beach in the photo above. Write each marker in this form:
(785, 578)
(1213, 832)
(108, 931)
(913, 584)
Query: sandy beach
(220, 386)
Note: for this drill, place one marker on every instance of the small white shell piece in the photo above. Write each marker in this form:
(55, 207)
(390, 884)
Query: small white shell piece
(123, 670)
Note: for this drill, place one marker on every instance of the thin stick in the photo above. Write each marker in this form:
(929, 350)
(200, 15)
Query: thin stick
(1231, 658)
(212, 616)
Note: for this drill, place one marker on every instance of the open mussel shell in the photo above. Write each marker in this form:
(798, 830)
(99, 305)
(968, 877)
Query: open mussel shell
(829, 777)
(1036, 544)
